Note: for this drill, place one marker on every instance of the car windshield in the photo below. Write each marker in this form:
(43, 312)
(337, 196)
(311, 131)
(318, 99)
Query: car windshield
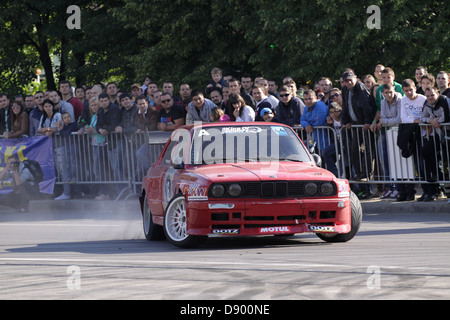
(246, 143)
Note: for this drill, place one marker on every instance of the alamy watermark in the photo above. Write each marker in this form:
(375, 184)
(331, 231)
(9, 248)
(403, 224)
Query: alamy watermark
(74, 280)
(374, 21)
(228, 144)
(74, 20)
(374, 280)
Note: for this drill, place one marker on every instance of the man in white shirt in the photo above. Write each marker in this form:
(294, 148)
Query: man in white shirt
(411, 104)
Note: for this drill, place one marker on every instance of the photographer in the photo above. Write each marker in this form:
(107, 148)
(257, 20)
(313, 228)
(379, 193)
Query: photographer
(24, 187)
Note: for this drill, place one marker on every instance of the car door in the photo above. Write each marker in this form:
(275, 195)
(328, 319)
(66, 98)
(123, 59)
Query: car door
(160, 181)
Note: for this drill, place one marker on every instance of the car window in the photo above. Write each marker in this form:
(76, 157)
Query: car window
(254, 143)
(167, 157)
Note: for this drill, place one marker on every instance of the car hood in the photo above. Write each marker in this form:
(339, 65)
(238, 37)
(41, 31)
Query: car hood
(262, 171)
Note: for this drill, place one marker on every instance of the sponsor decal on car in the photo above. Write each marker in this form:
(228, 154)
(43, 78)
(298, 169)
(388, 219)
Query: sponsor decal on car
(314, 228)
(279, 131)
(225, 231)
(274, 229)
(196, 192)
(227, 130)
(343, 189)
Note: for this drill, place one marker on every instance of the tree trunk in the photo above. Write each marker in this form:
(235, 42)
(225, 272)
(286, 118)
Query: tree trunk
(44, 56)
(63, 66)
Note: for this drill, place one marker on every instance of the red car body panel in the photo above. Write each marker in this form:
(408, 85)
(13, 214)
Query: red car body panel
(249, 215)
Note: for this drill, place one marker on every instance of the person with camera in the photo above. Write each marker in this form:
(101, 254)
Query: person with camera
(24, 188)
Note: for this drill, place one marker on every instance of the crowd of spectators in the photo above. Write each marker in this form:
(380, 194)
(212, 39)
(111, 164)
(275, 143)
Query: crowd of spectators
(371, 102)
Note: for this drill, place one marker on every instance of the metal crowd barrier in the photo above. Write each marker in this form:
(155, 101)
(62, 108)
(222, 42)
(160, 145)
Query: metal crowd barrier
(117, 160)
(361, 156)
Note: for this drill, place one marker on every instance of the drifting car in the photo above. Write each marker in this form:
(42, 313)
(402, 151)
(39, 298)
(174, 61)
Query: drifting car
(243, 179)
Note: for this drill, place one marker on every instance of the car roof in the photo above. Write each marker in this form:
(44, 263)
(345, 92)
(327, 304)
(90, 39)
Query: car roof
(232, 124)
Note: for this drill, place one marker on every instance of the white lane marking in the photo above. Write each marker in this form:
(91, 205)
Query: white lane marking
(167, 262)
(222, 264)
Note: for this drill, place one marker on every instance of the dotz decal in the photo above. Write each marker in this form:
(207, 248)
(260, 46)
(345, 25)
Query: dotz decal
(226, 231)
(321, 228)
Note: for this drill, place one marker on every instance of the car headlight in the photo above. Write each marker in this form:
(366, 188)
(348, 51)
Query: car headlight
(326, 188)
(218, 190)
(234, 190)
(311, 188)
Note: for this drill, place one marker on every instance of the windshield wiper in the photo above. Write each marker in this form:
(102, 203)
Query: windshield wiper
(290, 159)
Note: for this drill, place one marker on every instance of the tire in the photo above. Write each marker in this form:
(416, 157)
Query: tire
(175, 223)
(356, 219)
(152, 231)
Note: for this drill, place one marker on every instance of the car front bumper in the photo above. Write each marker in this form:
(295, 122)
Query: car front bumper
(269, 216)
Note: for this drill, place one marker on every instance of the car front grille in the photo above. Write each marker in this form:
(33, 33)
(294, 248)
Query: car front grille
(280, 189)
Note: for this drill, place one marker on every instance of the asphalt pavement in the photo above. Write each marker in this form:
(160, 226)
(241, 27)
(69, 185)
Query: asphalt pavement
(87, 249)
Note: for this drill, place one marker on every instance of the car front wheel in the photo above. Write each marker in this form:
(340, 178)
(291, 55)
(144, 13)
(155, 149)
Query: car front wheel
(175, 224)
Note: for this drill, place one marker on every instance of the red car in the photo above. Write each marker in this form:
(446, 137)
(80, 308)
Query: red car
(243, 179)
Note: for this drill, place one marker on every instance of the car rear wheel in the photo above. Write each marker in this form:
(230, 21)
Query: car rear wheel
(152, 231)
(175, 224)
(356, 220)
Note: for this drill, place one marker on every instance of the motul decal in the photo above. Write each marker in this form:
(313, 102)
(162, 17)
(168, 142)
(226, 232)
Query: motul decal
(274, 229)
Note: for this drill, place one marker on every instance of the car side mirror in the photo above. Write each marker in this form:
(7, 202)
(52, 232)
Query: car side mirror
(178, 163)
(317, 159)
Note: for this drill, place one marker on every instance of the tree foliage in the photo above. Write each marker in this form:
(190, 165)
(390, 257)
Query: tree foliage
(39, 29)
(182, 40)
(302, 39)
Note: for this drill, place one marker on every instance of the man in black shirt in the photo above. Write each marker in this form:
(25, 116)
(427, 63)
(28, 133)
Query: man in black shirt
(290, 108)
(109, 116)
(109, 120)
(171, 116)
(128, 124)
(357, 109)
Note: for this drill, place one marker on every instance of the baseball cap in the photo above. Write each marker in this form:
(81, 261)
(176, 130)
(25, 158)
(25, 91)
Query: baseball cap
(348, 74)
(136, 85)
(265, 111)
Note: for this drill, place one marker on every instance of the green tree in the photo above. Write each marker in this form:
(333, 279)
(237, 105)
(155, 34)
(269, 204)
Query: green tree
(38, 31)
(323, 38)
(182, 40)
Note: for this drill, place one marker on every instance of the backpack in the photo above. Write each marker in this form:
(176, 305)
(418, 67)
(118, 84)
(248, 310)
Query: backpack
(35, 169)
